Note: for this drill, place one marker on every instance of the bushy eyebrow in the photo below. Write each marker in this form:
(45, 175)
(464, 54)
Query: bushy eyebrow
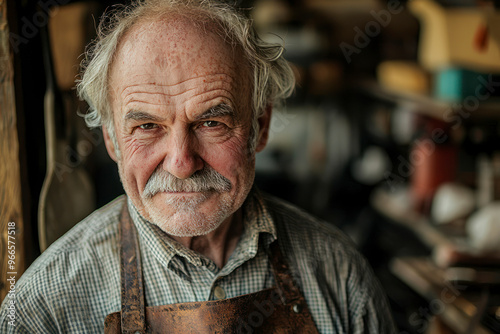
(141, 116)
(220, 110)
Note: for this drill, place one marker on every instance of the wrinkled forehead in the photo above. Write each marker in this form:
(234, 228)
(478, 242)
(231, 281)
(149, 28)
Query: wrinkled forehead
(179, 58)
(176, 42)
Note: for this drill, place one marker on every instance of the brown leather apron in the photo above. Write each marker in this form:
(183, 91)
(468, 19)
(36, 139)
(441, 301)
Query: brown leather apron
(281, 309)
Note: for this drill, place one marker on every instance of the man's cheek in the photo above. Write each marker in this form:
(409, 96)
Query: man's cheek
(134, 178)
(236, 149)
(141, 151)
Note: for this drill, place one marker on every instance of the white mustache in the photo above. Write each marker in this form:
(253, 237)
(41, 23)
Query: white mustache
(207, 179)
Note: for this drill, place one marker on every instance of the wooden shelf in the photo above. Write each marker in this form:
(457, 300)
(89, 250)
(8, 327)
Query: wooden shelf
(433, 107)
(452, 302)
(394, 206)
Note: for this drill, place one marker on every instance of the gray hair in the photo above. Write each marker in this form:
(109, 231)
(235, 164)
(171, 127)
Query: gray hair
(273, 78)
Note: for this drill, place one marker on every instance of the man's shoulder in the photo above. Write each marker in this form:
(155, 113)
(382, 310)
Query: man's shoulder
(73, 277)
(98, 226)
(96, 233)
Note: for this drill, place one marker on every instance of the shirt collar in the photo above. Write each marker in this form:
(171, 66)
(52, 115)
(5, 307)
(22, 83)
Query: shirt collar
(257, 221)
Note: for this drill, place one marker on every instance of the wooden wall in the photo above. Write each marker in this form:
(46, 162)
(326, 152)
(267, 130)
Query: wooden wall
(10, 181)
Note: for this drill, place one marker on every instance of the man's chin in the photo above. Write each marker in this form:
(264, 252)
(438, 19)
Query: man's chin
(187, 214)
(186, 223)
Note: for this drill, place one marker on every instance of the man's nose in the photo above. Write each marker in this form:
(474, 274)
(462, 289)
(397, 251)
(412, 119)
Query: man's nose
(182, 159)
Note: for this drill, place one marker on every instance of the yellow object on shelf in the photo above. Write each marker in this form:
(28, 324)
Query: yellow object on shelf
(403, 76)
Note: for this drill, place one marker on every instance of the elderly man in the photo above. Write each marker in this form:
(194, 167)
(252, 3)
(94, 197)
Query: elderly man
(184, 92)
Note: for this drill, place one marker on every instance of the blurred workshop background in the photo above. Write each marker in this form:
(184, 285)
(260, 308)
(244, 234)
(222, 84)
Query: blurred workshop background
(392, 135)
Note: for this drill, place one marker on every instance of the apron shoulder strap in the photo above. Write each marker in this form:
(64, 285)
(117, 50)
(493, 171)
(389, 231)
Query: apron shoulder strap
(285, 283)
(289, 290)
(133, 319)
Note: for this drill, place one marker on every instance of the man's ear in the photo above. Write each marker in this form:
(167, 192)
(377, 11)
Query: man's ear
(264, 124)
(110, 146)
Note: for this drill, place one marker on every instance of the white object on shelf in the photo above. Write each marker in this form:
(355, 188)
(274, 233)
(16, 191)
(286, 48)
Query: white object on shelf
(483, 228)
(452, 201)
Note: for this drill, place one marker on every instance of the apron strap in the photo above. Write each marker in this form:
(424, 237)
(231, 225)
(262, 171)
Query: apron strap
(133, 319)
(289, 292)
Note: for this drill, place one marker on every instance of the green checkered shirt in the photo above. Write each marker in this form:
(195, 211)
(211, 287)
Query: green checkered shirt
(75, 283)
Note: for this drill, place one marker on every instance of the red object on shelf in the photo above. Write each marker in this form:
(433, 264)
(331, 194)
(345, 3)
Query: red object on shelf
(435, 167)
(481, 38)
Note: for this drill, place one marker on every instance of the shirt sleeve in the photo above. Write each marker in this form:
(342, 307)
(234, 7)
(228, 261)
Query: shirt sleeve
(25, 314)
(369, 310)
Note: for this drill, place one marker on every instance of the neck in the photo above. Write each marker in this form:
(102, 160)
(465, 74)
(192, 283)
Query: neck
(217, 245)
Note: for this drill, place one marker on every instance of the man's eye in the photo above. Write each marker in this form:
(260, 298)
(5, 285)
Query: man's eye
(148, 126)
(211, 124)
